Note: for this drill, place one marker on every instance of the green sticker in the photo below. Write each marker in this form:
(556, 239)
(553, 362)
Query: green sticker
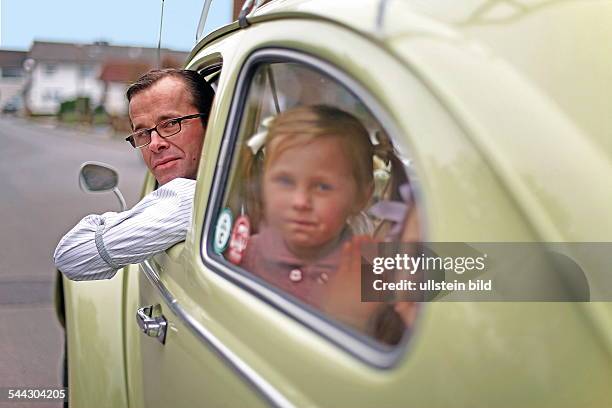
(223, 231)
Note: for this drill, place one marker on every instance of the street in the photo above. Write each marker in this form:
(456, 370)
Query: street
(39, 201)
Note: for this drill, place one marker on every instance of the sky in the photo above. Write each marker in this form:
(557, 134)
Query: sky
(121, 22)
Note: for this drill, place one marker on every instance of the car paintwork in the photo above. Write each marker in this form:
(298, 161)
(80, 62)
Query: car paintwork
(95, 332)
(503, 153)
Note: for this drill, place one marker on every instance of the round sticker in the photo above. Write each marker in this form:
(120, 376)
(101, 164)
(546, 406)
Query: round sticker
(222, 231)
(239, 239)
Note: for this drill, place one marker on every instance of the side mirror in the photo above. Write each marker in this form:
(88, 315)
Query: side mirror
(95, 177)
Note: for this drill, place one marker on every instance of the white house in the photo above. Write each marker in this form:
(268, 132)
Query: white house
(63, 71)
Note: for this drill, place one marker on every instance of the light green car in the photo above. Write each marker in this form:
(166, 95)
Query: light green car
(501, 113)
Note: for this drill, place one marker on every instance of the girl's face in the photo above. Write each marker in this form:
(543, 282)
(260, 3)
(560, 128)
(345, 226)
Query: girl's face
(309, 191)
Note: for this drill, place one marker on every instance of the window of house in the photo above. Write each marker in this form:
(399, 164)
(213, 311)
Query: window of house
(86, 71)
(50, 69)
(52, 95)
(313, 173)
(12, 72)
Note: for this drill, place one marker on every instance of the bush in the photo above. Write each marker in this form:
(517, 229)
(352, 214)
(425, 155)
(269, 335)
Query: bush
(100, 117)
(75, 110)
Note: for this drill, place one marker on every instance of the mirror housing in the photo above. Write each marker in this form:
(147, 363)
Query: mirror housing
(97, 177)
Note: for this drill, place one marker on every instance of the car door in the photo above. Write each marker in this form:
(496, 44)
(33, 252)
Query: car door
(232, 338)
(235, 338)
(161, 373)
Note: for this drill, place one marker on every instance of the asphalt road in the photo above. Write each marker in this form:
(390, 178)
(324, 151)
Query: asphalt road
(39, 201)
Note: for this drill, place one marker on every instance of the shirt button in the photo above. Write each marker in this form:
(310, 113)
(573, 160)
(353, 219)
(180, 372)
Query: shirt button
(295, 275)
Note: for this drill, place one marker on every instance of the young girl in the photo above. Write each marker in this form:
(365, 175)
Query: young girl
(316, 175)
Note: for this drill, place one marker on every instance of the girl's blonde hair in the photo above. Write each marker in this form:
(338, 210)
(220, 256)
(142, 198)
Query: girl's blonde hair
(303, 125)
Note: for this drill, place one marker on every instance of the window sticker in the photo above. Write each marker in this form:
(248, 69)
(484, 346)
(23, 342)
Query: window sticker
(239, 239)
(222, 231)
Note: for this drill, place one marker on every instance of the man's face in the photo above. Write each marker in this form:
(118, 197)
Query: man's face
(177, 155)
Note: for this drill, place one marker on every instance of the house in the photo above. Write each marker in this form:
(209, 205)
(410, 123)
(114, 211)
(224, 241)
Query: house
(11, 75)
(64, 71)
(115, 77)
(117, 74)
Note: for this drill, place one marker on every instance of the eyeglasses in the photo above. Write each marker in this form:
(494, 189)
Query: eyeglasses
(167, 128)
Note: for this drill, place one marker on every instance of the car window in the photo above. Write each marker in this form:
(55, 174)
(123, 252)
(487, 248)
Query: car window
(313, 174)
(211, 74)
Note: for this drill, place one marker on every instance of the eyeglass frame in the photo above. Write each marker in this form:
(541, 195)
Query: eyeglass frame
(180, 119)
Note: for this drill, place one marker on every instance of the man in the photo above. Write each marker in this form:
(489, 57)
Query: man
(168, 110)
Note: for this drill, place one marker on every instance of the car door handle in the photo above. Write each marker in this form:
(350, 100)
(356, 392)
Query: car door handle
(152, 326)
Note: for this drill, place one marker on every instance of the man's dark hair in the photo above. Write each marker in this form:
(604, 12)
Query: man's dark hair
(201, 92)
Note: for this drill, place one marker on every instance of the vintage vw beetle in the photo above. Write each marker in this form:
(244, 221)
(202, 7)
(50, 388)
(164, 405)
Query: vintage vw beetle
(501, 112)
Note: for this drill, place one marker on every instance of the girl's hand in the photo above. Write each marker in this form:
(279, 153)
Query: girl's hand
(342, 296)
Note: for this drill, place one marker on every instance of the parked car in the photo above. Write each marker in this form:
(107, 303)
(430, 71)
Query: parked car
(499, 113)
(13, 105)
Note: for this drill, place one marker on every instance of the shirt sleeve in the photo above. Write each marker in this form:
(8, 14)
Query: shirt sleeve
(99, 245)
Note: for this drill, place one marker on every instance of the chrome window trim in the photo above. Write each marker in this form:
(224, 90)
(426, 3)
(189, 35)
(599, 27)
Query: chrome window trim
(357, 344)
(261, 386)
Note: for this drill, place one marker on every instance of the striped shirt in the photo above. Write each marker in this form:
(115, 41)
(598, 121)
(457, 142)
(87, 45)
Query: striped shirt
(99, 245)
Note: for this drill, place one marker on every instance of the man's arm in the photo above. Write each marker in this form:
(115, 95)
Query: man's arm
(99, 245)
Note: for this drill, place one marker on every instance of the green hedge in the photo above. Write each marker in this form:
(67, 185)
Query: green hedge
(79, 111)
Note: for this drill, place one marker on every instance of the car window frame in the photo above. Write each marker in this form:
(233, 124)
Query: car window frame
(358, 345)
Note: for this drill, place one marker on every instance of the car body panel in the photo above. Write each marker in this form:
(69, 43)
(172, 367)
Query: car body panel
(133, 336)
(94, 327)
(566, 33)
(203, 377)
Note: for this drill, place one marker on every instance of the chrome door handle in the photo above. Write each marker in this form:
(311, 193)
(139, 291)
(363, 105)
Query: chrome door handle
(152, 326)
